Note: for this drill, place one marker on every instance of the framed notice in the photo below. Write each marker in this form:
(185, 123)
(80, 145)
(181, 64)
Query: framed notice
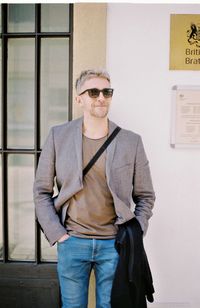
(185, 129)
(185, 42)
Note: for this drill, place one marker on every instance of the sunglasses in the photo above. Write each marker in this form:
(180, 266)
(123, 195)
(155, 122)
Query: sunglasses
(94, 92)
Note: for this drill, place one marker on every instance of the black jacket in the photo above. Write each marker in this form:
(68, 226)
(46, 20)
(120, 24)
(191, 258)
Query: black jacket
(133, 280)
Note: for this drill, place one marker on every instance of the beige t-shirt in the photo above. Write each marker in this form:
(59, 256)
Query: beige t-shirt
(91, 212)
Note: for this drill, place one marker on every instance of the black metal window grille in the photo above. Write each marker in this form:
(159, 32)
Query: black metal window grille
(5, 150)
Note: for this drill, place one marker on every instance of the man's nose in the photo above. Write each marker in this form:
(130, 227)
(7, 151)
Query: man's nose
(101, 97)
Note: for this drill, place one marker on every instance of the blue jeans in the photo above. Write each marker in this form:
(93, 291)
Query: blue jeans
(76, 258)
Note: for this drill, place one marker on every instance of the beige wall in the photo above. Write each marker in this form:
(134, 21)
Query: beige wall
(89, 51)
(89, 40)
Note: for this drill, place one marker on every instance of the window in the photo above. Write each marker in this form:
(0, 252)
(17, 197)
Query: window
(35, 94)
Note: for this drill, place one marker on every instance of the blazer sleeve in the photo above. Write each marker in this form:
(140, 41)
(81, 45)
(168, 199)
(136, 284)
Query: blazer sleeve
(43, 192)
(143, 192)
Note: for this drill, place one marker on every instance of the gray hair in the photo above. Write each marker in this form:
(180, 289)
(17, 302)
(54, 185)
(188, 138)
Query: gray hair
(88, 74)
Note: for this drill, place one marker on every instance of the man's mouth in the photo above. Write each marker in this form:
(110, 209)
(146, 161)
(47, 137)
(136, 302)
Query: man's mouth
(101, 106)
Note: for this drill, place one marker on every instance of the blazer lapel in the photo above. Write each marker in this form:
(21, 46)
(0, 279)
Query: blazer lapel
(78, 145)
(110, 149)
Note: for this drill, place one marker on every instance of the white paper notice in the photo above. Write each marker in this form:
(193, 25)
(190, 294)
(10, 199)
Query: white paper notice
(187, 117)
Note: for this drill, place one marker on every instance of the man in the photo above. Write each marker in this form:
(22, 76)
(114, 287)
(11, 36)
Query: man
(83, 219)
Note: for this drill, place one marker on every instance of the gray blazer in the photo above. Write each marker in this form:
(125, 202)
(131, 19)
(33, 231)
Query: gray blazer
(127, 172)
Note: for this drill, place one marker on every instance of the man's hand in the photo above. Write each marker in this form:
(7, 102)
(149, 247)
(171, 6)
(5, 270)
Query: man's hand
(63, 238)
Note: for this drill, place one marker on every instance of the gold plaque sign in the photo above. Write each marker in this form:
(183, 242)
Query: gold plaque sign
(185, 42)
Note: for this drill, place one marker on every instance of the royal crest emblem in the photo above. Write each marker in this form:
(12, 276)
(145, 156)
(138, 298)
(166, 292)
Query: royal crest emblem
(194, 35)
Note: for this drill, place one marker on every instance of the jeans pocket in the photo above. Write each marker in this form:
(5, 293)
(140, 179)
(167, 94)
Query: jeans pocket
(63, 242)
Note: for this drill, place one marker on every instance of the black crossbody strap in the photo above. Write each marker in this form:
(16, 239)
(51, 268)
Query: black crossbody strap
(100, 151)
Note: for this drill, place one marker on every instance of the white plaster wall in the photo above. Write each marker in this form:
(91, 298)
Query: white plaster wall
(138, 61)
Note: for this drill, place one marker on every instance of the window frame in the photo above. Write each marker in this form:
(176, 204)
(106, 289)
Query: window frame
(4, 150)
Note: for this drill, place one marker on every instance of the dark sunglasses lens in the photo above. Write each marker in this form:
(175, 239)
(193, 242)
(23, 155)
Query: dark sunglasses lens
(107, 92)
(93, 93)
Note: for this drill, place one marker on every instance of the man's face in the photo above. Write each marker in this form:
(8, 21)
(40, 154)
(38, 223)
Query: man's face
(94, 107)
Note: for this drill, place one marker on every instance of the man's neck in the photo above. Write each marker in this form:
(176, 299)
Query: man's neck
(95, 128)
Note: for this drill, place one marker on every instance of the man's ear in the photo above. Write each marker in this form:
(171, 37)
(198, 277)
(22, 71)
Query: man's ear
(78, 99)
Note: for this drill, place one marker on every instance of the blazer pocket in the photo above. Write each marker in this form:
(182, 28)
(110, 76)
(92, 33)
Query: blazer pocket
(122, 178)
(123, 173)
(127, 165)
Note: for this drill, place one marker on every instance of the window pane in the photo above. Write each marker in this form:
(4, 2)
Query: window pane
(21, 17)
(55, 17)
(21, 56)
(48, 253)
(54, 83)
(20, 207)
(1, 230)
(0, 92)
